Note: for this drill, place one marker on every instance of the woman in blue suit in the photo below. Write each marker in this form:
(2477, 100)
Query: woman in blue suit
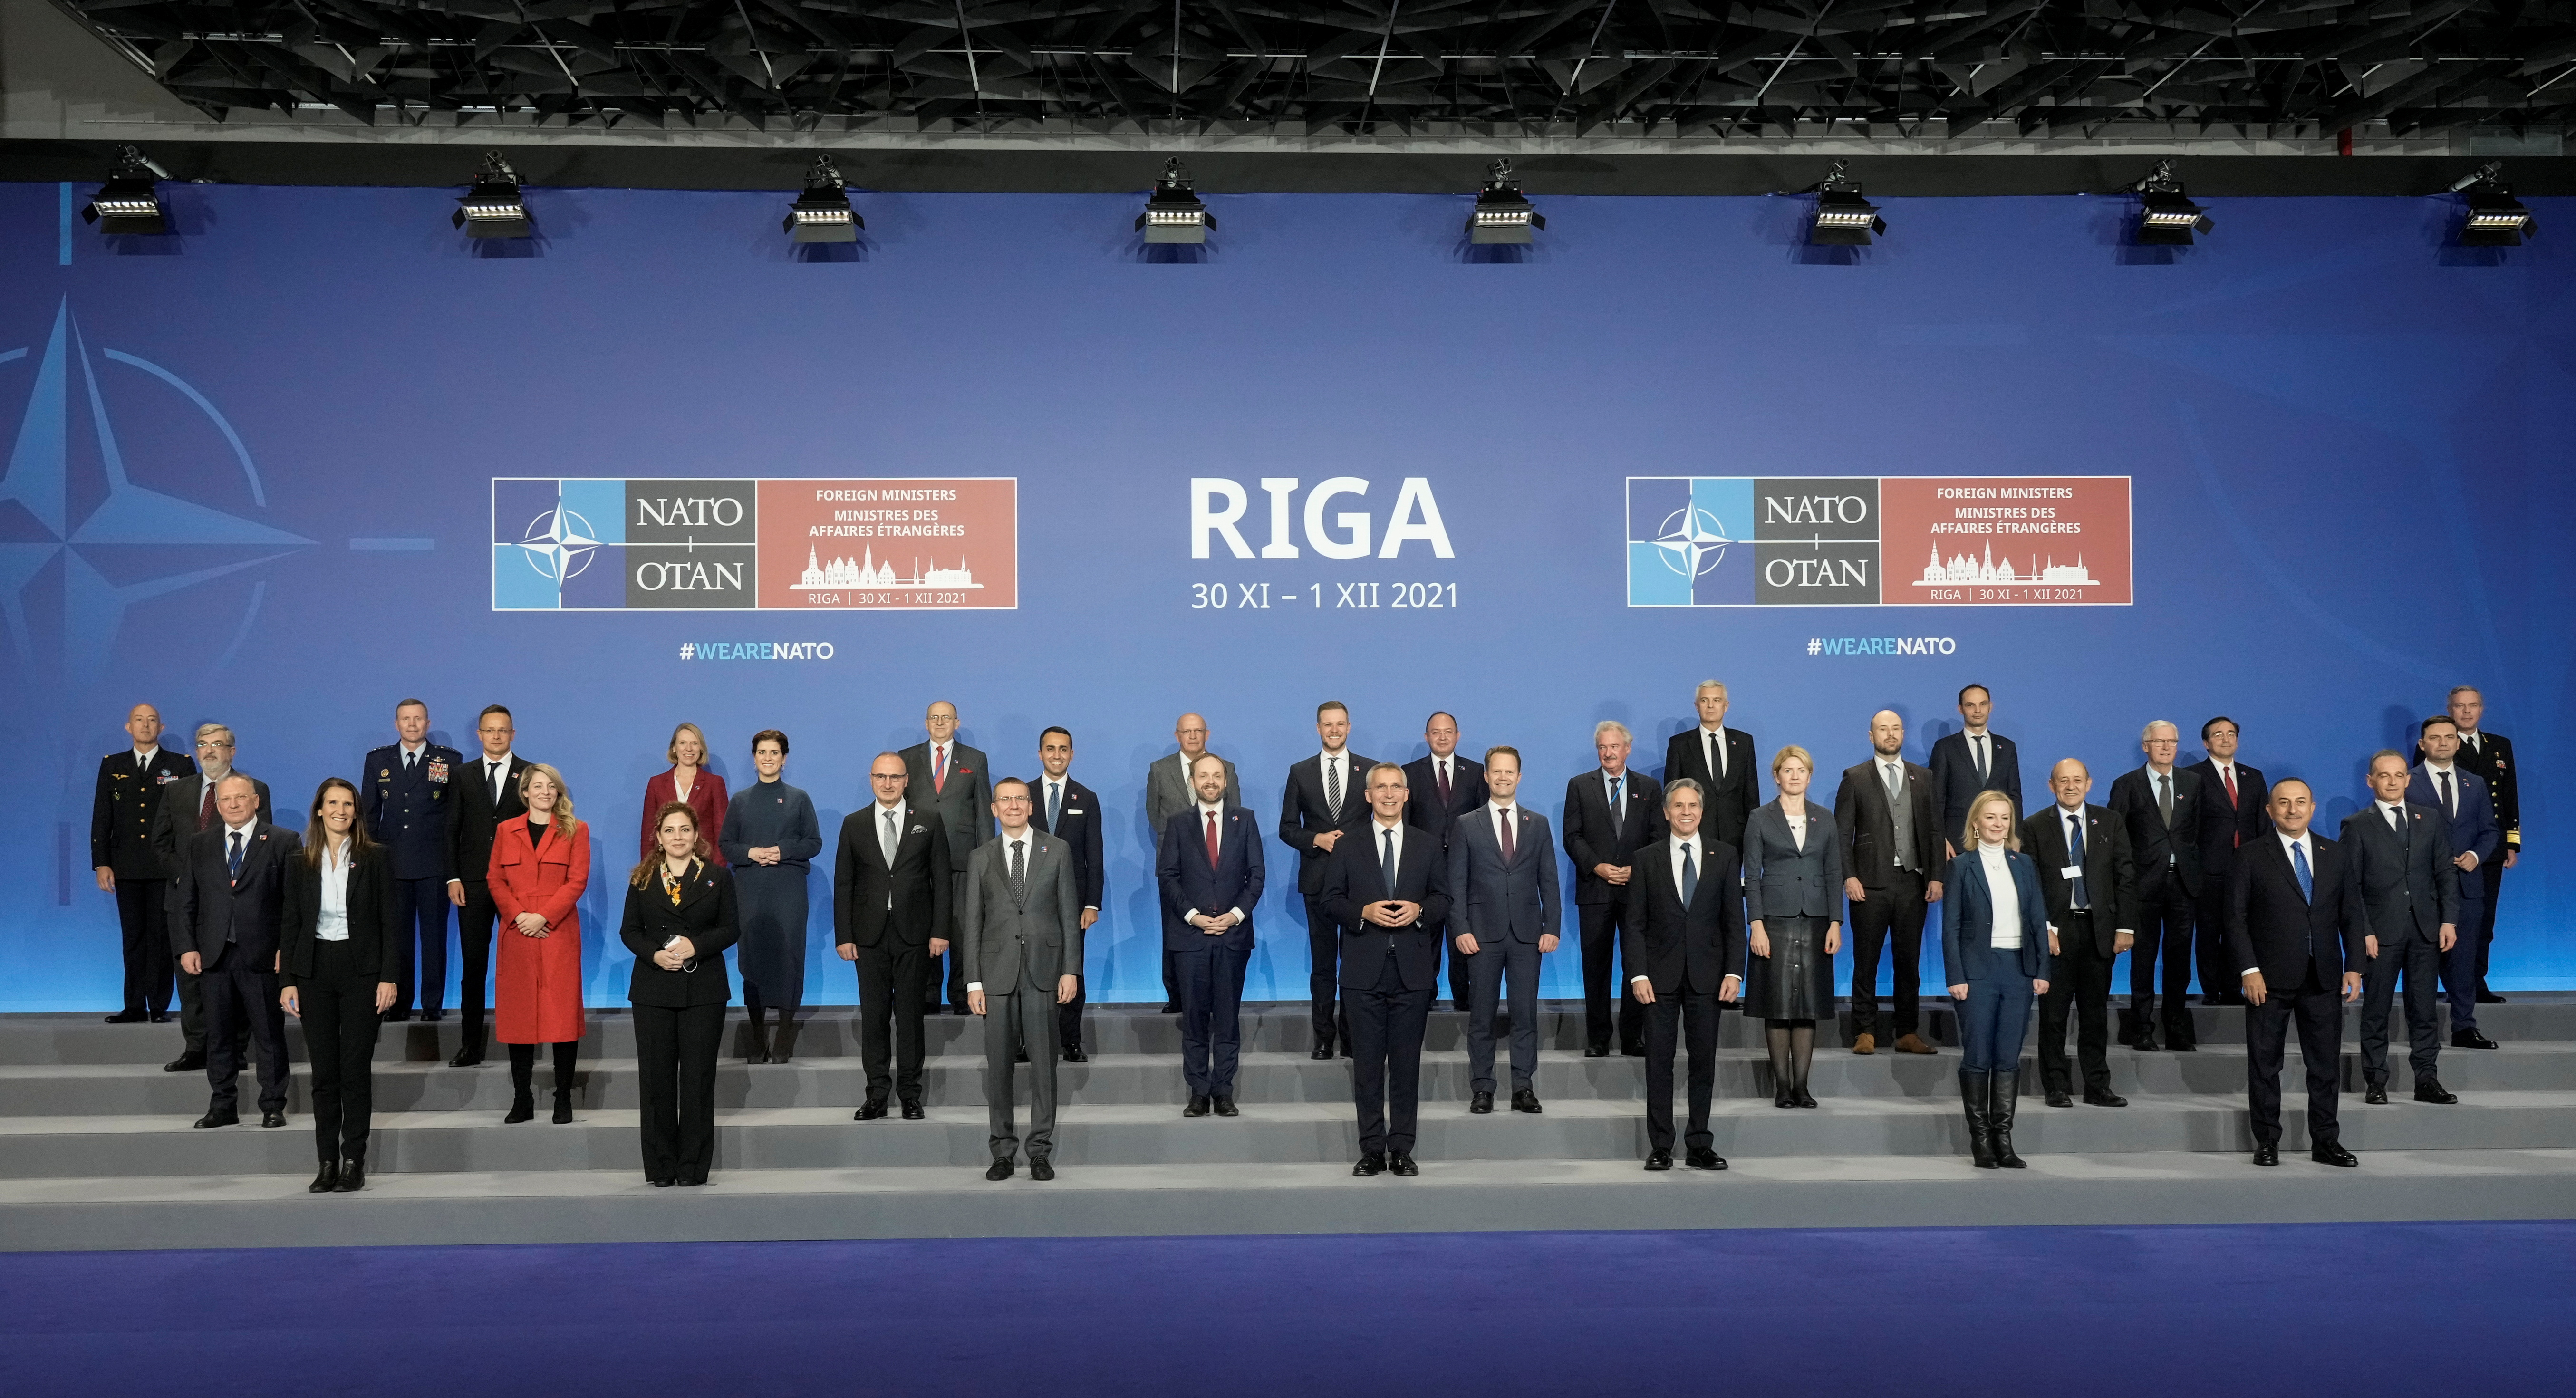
(1994, 944)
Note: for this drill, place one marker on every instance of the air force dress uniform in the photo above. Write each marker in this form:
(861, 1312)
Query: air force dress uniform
(408, 799)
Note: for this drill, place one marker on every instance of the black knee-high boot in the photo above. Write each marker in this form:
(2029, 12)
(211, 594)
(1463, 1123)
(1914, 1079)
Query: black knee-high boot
(564, 1054)
(523, 1072)
(2007, 1096)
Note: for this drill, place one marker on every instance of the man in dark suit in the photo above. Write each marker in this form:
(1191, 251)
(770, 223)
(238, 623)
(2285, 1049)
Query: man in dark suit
(954, 783)
(2490, 757)
(487, 795)
(407, 797)
(1068, 810)
(226, 934)
(1610, 814)
(1321, 805)
(186, 808)
(131, 784)
(2441, 783)
(1722, 761)
(2410, 890)
(1503, 916)
(1020, 936)
(2092, 890)
(1168, 793)
(891, 885)
(2296, 925)
(1969, 761)
(1207, 866)
(1683, 942)
(1891, 852)
(1440, 788)
(2160, 805)
(1388, 887)
(2231, 815)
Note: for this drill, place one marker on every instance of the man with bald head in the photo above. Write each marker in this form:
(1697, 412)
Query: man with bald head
(1170, 791)
(2091, 886)
(131, 783)
(1891, 853)
(226, 934)
(891, 885)
(954, 783)
(2160, 805)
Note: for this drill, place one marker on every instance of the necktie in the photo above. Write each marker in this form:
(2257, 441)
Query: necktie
(142, 764)
(1507, 836)
(233, 861)
(409, 757)
(2393, 822)
(1891, 774)
(1984, 769)
(206, 807)
(1333, 790)
(1019, 868)
(2299, 865)
(1386, 861)
(939, 768)
(2227, 778)
(2164, 797)
(1442, 768)
(1618, 798)
(1055, 803)
(497, 769)
(1211, 839)
(1717, 755)
(2450, 805)
(1690, 875)
(891, 838)
(2075, 856)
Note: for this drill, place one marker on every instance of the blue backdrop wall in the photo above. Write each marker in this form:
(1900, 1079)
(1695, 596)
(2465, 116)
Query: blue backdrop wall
(260, 490)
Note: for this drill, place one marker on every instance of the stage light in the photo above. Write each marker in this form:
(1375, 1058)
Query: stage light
(491, 209)
(1843, 217)
(1174, 214)
(822, 213)
(128, 203)
(1501, 214)
(2166, 218)
(2496, 219)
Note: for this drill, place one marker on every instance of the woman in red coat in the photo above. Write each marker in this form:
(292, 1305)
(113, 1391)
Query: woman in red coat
(689, 783)
(540, 863)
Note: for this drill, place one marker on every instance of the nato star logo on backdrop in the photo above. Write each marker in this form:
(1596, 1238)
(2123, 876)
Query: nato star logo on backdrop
(1689, 541)
(129, 544)
(558, 544)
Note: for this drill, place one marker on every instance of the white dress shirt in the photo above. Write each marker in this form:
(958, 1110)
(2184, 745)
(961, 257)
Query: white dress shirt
(1981, 752)
(2394, 815)
(2435, 774)
(411, 754)
(143, 757)
(1323, 774)
(1712, 745)
(2005, 935)
(2294, 847)
(1503, 814)
(496, 775)
(332, 924)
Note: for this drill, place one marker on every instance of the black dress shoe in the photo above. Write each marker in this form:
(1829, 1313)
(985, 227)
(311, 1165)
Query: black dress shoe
(1225, 1106)
(433, 1016)
(1198, 1105)
(1020, 1056)
(1042, 1168)
(326, 1181)
(2375, 1095)
(2103, 1099)
(1785, 1097)
(2146, 1043)
(397, 1016)
(691, 1179)
(1401, 1166)
(2430, 1090)
(214, 1118)
(466, 1058)
(272, 1119)
(1525, 1100)
(2060, 1097)
(1802, 1097)
(160, 1016)
(1592, 1052)
(129, 1017)
(1702, 1158)
(1073, 1054)
(1322, 1051)
(869, 1111)
(660, 1181)
(912, 1112)
(1368, 1166)
(2470, 1038)
(1481, 1103)
(2489, 997)
(1000, 1169)
(1659, 1160)
(2332, 1153)
(2267, 1155)
(189, 1062)
(1172, 1008)
(1632, 1053)
(353, 1175)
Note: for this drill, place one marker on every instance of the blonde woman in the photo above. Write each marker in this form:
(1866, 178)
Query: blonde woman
(1793, 899)
(689, 783)
(540, 864)
(1994, 947)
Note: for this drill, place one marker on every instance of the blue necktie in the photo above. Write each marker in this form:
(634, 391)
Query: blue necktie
(1055, 805)
(1690, 877)
(2307, 879)
(232, 862)
(2075, 852)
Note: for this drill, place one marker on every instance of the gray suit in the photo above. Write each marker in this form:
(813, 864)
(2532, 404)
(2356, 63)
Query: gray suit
(1016, 943)
(1167, 794)
(1506, 905)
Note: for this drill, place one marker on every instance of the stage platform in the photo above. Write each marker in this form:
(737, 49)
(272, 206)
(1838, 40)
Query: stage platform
(96, 1150)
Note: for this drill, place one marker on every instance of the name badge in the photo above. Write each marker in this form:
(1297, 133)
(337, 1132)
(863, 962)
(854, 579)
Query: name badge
(2072, 871)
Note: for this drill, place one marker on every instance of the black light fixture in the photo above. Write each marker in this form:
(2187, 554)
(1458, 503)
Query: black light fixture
(492, 208)
(1502, 215)
(823, 213)
(1842, 217)
(128, 202)
(2496, 219)
(1173, 213)
(2166, 218)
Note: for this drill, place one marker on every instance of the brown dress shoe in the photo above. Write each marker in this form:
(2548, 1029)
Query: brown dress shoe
(1911, 1044)
(1865, 1044)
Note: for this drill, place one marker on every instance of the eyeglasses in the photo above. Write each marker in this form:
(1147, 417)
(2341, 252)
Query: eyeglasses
(206, 743)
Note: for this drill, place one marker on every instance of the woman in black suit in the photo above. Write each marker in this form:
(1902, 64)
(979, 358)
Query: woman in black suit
(680, 917)
(1994, 945)
(337, 964)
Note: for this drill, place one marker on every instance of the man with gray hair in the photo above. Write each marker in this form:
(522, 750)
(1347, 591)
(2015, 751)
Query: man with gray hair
(1721, 760)
(188, 806)
(2161, 808)
(230, 906)
(1610, 813)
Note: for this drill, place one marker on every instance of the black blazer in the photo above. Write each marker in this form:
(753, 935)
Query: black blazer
(2110, 876)
(176, 822)
(2406, 881)
(123, 808)
(2168, 858)
(912, 899)
(469, 837)
(1867, 828)
(1078, 825)
(1661, 940)
(1955, 784)
(2223, 831)
(1422, 805)
(371, 917)
(1188, 885)
(2271, 928)
(705, 916)
(1357, 877)
(1302, 814)
(1724, 805)
(210, 907)
(2492, 760)
(964, 804)
(1596, 834)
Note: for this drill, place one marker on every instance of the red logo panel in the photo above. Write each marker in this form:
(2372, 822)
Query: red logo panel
(876, 545)
(2005, 540)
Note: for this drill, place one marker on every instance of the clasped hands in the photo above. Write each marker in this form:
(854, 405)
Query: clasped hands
(1213, 925)
(1391, 913)
(530, 925)
(679, 953)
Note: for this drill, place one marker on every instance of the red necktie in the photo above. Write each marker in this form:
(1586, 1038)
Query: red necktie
(1211, 820)
(1507, 837)
(1442, 768)
(2227, 778)
(206, 808)
(938, 769)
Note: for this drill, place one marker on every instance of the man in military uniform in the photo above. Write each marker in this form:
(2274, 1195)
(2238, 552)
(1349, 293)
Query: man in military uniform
(2491, 759)
(407, 796)
(130, 786)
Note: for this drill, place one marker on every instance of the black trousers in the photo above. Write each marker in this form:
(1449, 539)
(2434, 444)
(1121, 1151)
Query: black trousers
(2079, 979)
(2209, 941)
(675, 1084)
(1387, 1023)
(1324, 973)
(143, 916)
(241, 996)
(2492, 872)
(2419, 959)
(421, 904)
(1600, 923)
(1171, 979)
(474, 958)
(2164, 933)
(1896, 912)
(1068, 1016)
(1458, 974)
(894, 986)
(339, 1008)
(1687, 1017)
(2319, 1011)
(1211, 1017)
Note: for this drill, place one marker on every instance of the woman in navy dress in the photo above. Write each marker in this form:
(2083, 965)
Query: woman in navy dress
(770, 838)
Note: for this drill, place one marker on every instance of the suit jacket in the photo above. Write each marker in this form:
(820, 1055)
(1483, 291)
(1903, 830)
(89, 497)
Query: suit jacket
(1596, 834)
(2492, 760)
(1867, 827)
(1030, 935)
(211, 907)
(2473, 830)
(908, 899)
(964, 805)
(371, 917)
(1955, 783)
(1189, 884)
(1666, 942)
(707, 797)
(2110, 875)
(2407, 881)
(1422, 804)
(1968, 952)
(1357, 877)
(2272, 928)
(1078, 825)
(1302, 813)
(409, 810)
(477, 816)
(1725, 805)
(1167, 790)
(1782, 880)
(2167, 857)
(1495, 900)
(176, 822)
(123, 808)
(705, 914)
(2223, 830)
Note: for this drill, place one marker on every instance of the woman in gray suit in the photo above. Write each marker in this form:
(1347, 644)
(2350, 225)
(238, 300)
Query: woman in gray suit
(1793, 889)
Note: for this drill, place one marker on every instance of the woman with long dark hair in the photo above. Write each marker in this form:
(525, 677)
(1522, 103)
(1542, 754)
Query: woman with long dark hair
(680, 917)
(338, 963)
(769, 838)
(540, 865)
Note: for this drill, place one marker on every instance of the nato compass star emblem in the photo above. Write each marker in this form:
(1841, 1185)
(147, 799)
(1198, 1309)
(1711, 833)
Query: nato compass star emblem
(559, 544)
(120, 544)
(1691, 541)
